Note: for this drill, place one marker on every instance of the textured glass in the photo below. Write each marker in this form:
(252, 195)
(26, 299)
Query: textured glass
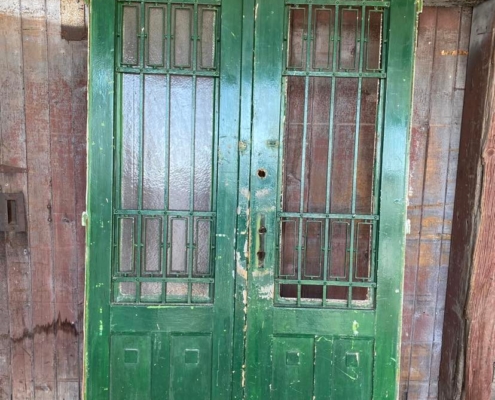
(126, 245)
(152, 246)
(313, 258)
(293, 136)
(151, 292)
(202, 240)
(201, 292)
(130, 141)
(317, 128)
(182, 37)
(177, 291)
(349, 39)
(207, 44)
(156, 36)
(177, 263)
(367, 146)
(322, 43)
(181, 131)
(374, 40)
(289, 249)
(364, 248)
(125, 292)
(339, 243)
(203, 145)
(297, 38)
(130, 31)
(154, 143)
(343, 145)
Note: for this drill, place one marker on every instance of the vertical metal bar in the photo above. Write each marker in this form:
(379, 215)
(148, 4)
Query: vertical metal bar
(356, 152)
(191, 225)
(139, 243)
(330, 153)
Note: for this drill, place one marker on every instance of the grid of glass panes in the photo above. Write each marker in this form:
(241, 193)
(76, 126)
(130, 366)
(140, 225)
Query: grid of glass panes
(334, 78)
(165, 158)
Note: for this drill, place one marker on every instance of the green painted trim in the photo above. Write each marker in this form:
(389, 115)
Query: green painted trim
(99, 198)
(393, 201)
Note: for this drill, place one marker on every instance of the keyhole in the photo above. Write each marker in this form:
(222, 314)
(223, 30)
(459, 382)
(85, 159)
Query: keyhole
(261, 173)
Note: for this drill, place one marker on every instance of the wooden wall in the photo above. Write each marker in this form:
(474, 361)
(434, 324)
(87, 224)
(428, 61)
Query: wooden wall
(42, 129)
(441, 58)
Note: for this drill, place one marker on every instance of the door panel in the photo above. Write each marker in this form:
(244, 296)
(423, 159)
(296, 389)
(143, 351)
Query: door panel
(246, 198)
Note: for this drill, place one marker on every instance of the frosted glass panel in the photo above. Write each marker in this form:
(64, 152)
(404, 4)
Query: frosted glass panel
(156, 25)
(130, 30)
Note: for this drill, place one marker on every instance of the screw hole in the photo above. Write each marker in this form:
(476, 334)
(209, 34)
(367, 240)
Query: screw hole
(262, 173)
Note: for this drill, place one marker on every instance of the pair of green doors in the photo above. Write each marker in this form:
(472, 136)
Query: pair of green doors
(247, 193)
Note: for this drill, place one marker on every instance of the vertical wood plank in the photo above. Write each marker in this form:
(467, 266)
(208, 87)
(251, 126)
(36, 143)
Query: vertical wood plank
(16, 342)
(63, 204)
(37, 114)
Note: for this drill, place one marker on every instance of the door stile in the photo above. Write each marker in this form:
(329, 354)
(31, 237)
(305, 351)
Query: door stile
(227, 197)
(267, 91)
(244, 209)
(99, 199)
(393, 201)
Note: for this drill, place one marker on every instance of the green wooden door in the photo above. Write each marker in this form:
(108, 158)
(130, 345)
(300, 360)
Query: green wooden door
(246, 198)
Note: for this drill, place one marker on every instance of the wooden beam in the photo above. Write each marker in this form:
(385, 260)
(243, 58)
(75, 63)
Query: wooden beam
(468, 352)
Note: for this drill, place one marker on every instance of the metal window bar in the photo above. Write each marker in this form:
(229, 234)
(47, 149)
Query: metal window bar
(333, 73)
(139, 274)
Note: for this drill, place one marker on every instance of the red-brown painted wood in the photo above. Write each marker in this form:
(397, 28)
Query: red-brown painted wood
(468, 353)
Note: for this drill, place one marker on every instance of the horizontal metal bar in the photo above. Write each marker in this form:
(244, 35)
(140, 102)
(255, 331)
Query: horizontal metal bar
(201, 2)
(118, 279)
(371, 217)
(162, 213)
(338, 74)
(165, 71)
(345, 3)
(325, 283)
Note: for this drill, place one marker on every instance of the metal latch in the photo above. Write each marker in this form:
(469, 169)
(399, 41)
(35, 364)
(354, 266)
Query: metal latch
(12, 212)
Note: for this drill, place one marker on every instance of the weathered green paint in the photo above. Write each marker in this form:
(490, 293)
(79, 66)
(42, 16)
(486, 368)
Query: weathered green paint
(242, 346)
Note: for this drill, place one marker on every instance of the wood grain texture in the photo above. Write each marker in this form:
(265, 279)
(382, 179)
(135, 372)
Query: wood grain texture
(468, 353)
(440, 60)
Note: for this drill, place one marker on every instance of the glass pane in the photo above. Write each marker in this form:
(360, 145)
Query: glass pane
(207, 44)
(323, 38)
(177, 263)
(181, 109)
(156, 35)
(152, 245)
(293, 137)
(374, 40)
(130, 31)
(203, 146)
(125, 292)
(313, 259)
(182, 37)
(339, 246)
(176, 292)
(367, 146)
(126, 245)
(130, 140)
(154, 143)
(349, 39)
(151, 292)
(364, 251)
(338, 293)
(201, 292)
(312, 292)
(317, 145)
(297, 38)
(288, 291)
(288, 267)
(203, 245)
(343, 145)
